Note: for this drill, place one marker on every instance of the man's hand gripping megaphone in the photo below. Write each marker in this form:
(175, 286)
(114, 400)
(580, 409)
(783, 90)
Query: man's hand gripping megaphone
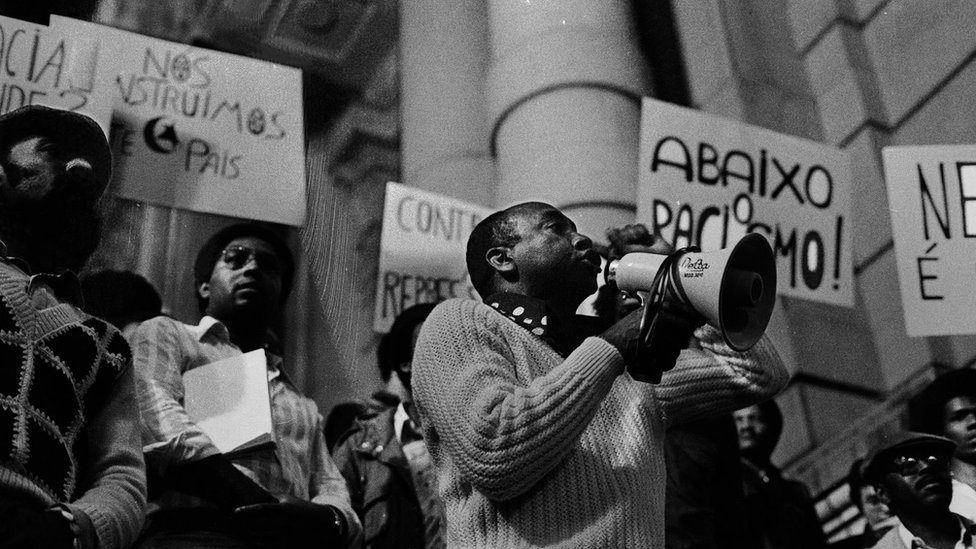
(656, 333)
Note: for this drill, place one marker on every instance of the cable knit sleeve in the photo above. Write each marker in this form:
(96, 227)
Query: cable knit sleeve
(715, 379)
(502, 405)
(116, 498)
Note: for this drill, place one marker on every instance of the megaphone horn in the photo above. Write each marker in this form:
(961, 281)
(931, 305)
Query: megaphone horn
(733, 288)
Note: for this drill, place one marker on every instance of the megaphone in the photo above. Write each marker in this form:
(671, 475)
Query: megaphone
(733, 288)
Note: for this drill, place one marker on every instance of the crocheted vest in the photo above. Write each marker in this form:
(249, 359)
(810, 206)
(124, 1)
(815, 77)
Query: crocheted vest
(57, 366)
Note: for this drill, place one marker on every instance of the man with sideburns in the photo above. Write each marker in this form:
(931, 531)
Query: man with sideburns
(539, 436)
(289, 496)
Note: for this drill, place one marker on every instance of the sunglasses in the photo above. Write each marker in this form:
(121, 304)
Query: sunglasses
(238, 256)
(912, 465)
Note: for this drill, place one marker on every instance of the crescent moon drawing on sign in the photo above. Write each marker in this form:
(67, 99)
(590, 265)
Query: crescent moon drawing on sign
(160, 135)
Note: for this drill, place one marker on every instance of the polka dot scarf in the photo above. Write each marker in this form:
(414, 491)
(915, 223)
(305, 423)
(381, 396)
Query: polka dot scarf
(528, 312)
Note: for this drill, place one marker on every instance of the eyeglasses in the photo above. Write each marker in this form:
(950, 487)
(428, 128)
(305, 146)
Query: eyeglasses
(912, 465)
(238, 256)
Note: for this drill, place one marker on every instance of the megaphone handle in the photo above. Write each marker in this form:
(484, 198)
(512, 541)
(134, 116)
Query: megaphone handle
(650, 367)
(646, 368)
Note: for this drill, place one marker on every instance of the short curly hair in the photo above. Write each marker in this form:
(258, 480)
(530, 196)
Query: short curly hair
(210, 252)
(498, 229)
(929, 406)
(395, 347)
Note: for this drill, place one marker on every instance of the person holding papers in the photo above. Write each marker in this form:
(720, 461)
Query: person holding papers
(287, 495)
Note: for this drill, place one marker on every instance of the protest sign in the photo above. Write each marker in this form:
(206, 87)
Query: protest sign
(199, 129)
(707, 181)
(932, 199)
(42, 66)
(422, 249)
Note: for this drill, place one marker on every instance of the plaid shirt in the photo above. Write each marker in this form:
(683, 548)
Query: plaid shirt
(300, 466)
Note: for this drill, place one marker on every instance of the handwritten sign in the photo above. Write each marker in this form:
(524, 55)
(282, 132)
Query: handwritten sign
(422, 247)
(42, 66)
(707, 181)
(202, 130)
(932, 199)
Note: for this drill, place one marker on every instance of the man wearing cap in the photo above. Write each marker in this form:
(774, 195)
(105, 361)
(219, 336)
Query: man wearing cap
(289, 496)
(910, 472)
(947, 407)
(71, 466)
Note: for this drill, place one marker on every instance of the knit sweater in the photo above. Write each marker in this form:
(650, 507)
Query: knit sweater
(533, 450)
(68, 420)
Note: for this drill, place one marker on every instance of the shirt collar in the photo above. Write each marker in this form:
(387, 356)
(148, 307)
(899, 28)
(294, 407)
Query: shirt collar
(914, 542)
(400, 416)
(65, 285)
(211, 326)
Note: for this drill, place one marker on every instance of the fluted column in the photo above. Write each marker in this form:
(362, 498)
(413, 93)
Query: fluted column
(564, 92)
(444, 56)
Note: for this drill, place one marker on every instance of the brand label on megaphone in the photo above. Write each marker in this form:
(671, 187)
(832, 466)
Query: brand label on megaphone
(692, 268)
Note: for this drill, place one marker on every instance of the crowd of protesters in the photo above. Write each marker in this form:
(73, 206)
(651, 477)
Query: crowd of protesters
(511, 421)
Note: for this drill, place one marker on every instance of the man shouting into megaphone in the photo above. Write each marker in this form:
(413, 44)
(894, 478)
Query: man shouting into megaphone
(538, 435)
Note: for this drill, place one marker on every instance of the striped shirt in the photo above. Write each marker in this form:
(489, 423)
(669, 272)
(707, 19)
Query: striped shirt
(300, 466)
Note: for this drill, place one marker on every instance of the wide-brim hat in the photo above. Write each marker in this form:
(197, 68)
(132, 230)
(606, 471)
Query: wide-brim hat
(880, 458)
(78, 134)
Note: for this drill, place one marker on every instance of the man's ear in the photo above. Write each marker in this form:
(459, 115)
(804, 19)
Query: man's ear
(203, 290)
(500, 259)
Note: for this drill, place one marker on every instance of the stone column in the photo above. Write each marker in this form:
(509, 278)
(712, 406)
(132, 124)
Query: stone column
(444, 56)
(564, 91)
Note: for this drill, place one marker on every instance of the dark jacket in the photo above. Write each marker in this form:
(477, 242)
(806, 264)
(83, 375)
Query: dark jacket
(380, 485)
(779, 511)
(704, 486)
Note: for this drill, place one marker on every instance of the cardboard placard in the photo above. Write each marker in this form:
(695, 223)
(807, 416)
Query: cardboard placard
(422, 250)
(707, 181)
(932, 200)
(199, 129)
(44, 66)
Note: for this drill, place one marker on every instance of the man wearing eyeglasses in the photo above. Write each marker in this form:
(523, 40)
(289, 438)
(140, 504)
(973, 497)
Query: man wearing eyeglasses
(289, 496)
(910, 472)
(947, 407)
